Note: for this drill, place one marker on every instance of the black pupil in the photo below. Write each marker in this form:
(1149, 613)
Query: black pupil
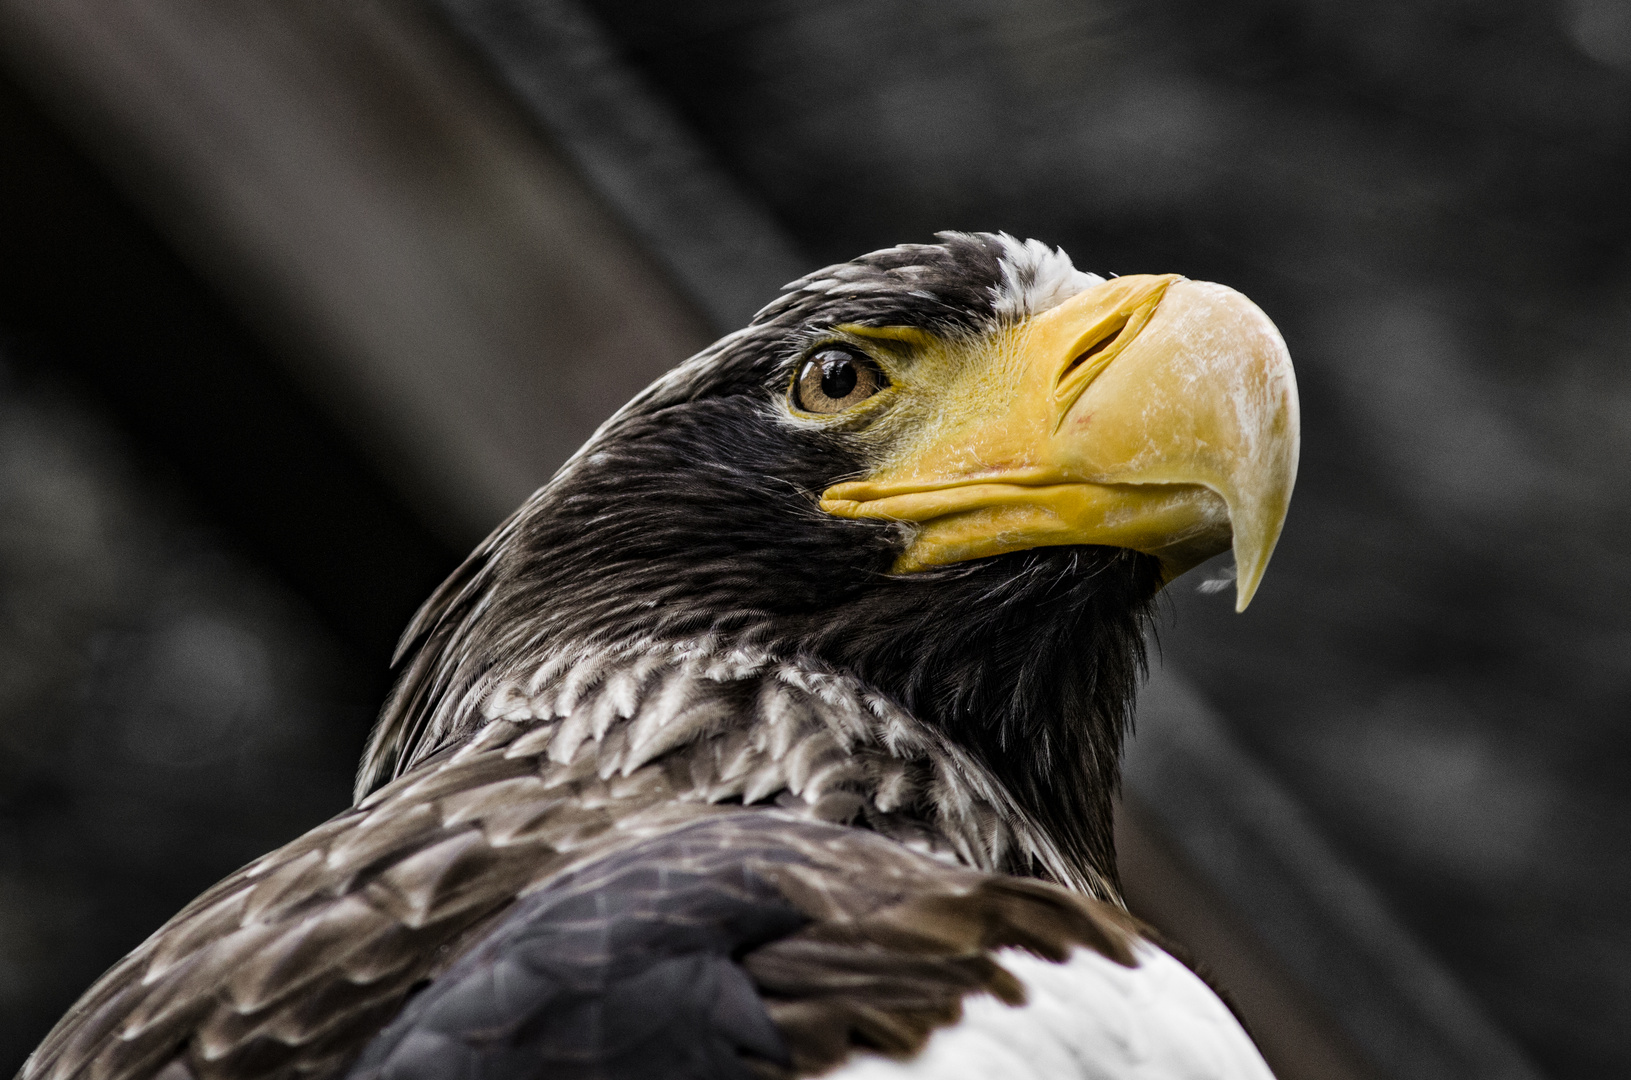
(838, 377)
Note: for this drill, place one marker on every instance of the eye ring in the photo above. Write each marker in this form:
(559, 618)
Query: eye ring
(835, 377)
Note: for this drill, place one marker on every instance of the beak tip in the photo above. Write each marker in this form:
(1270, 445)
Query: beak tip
(1244, 591)
(1251, 565)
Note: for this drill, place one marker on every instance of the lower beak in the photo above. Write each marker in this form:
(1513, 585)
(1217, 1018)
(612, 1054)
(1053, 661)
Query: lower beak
(1149, 412)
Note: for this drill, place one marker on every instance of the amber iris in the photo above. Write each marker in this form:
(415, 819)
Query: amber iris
(834, 379)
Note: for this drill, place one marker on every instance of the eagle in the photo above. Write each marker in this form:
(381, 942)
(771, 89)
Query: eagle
(777, 735)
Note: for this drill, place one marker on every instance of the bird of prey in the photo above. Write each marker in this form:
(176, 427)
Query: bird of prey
(777, 734)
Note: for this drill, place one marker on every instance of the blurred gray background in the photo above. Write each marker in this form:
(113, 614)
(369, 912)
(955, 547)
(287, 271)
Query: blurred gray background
(297, 299)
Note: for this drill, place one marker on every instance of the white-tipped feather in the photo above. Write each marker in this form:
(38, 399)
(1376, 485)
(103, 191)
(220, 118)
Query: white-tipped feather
(619, 708)
(1036, 277)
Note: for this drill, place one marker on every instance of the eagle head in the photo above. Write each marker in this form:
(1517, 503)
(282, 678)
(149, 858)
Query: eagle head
(956, 473)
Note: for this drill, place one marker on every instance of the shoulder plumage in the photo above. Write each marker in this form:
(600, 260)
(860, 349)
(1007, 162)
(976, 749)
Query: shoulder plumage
(758, 944)
(287, 967)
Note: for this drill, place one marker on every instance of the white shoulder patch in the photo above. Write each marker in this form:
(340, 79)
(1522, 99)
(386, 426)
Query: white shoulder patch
(1086, 1019)
(1036, 277)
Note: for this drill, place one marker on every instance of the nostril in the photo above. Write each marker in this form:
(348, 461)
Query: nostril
(1111, 333)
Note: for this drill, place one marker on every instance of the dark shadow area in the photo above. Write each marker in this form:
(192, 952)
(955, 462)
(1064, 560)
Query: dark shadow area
(89, 292)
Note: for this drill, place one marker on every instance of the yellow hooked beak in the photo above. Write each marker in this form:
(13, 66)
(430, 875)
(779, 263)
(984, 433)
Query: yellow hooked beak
(1147, 412)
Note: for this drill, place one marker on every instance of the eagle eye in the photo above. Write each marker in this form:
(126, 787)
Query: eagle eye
(835, 378)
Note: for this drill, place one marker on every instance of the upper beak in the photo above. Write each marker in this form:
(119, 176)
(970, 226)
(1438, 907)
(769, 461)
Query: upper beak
(1148, 412)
